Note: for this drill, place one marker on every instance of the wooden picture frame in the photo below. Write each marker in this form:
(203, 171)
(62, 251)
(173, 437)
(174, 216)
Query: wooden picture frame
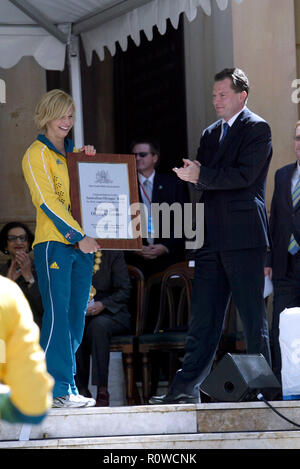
(104, 198)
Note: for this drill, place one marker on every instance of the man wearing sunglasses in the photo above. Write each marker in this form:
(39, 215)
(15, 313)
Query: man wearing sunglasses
(156, 187)
(16, 243)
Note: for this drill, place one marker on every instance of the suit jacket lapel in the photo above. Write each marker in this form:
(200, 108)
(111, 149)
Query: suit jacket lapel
(232, 131)
(287, 188)
(208, 159)
(157, 188)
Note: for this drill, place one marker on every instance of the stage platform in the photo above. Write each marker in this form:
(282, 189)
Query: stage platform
(245, 425)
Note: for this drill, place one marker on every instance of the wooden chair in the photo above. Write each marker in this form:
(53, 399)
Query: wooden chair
(170, 331)
(127, 343)
(152, 287)
(156, 280)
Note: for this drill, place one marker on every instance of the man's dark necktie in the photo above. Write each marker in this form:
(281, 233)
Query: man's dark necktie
(225, 130)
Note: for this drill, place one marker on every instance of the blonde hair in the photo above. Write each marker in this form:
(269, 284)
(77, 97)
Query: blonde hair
(52, 105)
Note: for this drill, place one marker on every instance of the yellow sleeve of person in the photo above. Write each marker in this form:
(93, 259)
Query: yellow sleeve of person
(22, 360)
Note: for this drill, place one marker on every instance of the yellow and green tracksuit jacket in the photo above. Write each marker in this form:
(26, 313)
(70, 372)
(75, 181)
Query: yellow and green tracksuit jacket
(46, 173)
(22, 360)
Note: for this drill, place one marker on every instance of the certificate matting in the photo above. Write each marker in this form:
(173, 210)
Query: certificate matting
(103, 187)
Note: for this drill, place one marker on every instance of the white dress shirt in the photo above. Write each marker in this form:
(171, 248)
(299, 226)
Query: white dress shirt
(142, 179)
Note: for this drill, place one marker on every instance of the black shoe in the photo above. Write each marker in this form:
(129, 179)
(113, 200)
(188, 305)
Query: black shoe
(180, 398)
(84, 392)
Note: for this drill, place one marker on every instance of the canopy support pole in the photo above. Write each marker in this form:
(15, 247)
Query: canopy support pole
(41, 19)
(117, 8)
(75, 82)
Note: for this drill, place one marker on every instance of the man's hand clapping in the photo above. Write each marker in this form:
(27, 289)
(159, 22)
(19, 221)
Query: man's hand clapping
(189, 172)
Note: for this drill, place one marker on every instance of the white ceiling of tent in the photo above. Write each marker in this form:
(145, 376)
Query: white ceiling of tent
(43, 28)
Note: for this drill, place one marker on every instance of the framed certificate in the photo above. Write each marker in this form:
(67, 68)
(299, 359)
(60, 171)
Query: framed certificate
(104, 198)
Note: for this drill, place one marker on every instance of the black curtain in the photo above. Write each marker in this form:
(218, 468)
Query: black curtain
(149, 94)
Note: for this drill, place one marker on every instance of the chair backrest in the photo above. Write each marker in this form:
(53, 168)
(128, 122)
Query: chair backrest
(136, 302)
(171, 311)
(152, 288)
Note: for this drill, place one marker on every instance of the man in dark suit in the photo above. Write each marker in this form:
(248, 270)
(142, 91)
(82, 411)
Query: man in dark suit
(155, 187)
(284, 260)
(231, 169)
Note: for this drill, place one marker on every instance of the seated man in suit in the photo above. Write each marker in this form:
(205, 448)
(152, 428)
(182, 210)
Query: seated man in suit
(231, 169)
(156, 187)
(283, 264)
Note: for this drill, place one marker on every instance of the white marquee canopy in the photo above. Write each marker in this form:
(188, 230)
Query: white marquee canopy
(43, 28)
(46, 29)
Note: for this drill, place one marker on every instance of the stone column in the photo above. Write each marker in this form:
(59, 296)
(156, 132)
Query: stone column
(264, 46)
(25, 83)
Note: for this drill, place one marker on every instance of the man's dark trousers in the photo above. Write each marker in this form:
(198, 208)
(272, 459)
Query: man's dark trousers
(217, 275)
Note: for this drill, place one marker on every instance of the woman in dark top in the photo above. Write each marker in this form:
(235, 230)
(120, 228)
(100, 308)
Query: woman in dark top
(107, 315)
(16, 241)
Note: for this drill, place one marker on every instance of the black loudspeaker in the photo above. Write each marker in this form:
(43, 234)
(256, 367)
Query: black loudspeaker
(239, 378)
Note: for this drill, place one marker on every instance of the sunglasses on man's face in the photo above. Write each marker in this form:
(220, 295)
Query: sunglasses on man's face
(13, 238)
(142, 154)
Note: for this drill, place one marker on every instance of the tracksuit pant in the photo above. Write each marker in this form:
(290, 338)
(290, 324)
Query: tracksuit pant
(64, 277)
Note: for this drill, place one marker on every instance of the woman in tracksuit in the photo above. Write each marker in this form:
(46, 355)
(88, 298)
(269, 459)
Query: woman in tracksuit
(63, 253)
